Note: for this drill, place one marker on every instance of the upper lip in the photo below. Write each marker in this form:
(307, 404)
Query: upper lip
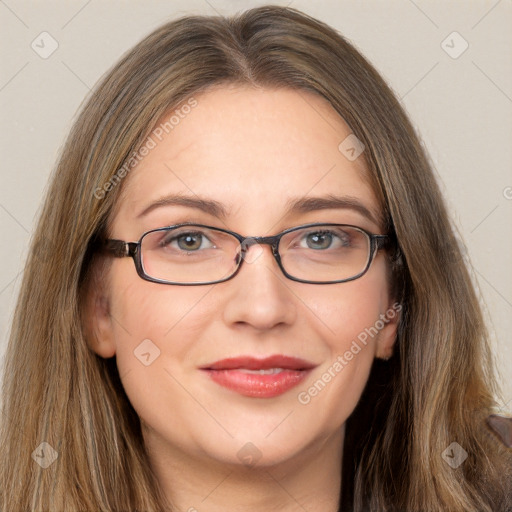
(255, 363)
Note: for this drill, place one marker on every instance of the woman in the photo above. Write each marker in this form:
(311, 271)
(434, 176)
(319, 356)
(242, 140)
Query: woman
(245, 294)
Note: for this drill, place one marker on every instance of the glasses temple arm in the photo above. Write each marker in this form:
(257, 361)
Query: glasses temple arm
(119, 248)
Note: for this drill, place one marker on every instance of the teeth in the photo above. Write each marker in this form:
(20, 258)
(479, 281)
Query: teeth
(269, 371)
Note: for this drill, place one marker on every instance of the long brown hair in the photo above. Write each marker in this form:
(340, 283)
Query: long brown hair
(439, 386)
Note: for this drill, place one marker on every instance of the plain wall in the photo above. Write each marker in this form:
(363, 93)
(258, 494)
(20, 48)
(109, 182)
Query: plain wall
(459, 101)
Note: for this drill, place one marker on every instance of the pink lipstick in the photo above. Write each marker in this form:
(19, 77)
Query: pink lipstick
(259, 378)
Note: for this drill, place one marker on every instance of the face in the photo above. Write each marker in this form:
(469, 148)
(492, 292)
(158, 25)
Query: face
(255, 152)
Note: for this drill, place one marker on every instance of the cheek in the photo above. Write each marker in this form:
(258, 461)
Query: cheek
(154, 328)
(157, 332)
(348, 321)
(345, 312)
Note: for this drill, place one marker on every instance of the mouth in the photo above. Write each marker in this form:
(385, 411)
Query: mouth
(259, 378)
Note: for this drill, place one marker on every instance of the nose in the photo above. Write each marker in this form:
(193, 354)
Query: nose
(259, 295)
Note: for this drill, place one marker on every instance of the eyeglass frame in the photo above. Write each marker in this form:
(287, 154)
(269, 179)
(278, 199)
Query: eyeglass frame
(121, 249)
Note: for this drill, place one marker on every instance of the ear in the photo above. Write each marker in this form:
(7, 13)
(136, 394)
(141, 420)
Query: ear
(97, 319)
(387, 335)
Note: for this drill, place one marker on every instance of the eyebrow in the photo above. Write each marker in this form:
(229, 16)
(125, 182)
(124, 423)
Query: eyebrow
(293, 206)
(310, 204)
(206, 205)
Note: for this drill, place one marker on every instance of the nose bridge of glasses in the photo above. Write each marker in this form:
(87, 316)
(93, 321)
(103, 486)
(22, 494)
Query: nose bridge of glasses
(273, 241)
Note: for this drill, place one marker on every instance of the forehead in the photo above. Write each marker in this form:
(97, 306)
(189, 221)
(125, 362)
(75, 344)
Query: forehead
(253, 150)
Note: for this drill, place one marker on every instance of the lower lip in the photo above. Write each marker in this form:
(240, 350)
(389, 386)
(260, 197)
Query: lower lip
(258, 386)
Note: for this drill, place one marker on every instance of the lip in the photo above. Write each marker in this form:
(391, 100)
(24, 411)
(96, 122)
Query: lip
(233, 373)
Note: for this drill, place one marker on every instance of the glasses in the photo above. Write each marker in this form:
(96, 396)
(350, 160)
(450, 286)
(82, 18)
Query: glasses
(195, 254)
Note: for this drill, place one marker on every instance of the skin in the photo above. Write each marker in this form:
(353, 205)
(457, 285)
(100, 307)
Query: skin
(251, 150)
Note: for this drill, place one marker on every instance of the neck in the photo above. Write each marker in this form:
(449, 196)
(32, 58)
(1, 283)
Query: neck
(310, 480)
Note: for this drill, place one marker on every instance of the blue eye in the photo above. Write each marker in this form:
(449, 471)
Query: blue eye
(321, 240)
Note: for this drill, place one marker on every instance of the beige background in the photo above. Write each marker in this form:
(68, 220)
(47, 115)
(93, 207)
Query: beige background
(461, 106)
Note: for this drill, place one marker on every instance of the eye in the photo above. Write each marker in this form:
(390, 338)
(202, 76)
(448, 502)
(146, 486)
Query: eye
(325, 239)
(189, 241)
